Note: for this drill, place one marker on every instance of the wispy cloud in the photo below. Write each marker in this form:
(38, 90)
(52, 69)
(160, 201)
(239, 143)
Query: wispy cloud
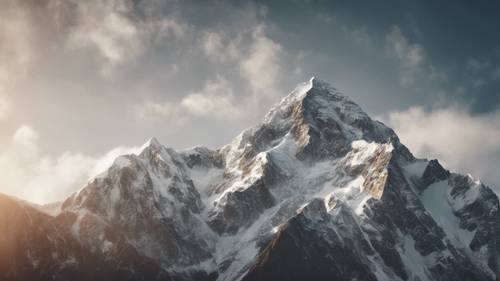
(410, 55)
(256, 60)
(214, 100)
(476, 65)
(217, 46)
(29, 174)
(258, 57)
(104, 64)
(262, 66)
(118, 35)
(464, 142)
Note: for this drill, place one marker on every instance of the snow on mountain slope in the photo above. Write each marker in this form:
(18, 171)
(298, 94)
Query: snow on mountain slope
(317, 191)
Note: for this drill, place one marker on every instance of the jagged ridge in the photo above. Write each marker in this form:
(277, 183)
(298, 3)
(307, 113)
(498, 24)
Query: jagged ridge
(317, 191)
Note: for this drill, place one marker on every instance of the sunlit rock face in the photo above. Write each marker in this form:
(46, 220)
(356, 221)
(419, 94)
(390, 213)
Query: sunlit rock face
(316, 191)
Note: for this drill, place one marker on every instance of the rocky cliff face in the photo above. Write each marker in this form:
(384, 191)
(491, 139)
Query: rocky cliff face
(317, 191)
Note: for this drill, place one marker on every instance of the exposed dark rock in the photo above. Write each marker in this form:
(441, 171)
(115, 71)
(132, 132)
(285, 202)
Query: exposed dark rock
(434, 172)
(317, 191)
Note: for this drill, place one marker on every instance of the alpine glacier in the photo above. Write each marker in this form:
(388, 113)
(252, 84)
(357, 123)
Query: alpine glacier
(316, 191)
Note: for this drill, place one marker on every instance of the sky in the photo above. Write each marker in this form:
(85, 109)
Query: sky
(82, 82)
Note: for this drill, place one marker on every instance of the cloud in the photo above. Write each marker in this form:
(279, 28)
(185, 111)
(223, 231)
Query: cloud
(28, 174)
(25, 137)
(165, 28)
(262, 66)
(220, 48)
(358, 35)
(476, 65)
(482, 72)
(483, 69)
(410, 55)
(464, 142)
(214, 100)
(15, 51)
(118, 35)
(212, 44)
(258, 60)
(258, 56)
(104, 25)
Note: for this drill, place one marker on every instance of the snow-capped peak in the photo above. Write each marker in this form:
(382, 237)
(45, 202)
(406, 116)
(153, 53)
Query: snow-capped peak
(316, 191)
(319, 83)
(304, 89)
(318, 98)
(153, 143)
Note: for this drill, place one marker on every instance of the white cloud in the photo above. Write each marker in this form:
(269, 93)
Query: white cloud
(28, 174)
(63, 42)
(116, 37)
(215, 100)
(166, 28)
(258, 57)
(462, 141)
(165, 110)
(410, 55)
(117, 34)
(261, 68)
(104, 25)
(26, 139)
(212, 44)
(218, 47)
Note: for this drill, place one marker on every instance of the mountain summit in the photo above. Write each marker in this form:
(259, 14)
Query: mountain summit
(316, 191)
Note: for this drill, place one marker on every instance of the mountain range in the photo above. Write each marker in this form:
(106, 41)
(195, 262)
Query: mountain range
(316, 191)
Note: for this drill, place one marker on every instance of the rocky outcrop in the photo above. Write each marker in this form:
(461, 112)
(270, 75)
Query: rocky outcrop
(317, 191)
(434, 172)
